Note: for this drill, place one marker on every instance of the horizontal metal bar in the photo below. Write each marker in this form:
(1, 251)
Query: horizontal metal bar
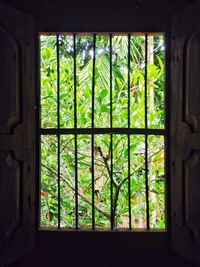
(103, 33)
(51, 131)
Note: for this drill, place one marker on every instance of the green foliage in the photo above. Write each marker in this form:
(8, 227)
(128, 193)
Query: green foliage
(102, 148)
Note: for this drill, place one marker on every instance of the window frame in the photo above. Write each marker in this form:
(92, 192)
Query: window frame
(92, 131)
(157, 238)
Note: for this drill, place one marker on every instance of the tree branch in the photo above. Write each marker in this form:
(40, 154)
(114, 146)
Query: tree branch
(105, 160)
(105, 214)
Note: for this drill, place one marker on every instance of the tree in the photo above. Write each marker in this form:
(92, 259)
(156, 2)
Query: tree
(102, 143)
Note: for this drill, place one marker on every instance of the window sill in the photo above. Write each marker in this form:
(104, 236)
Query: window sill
(89, 239)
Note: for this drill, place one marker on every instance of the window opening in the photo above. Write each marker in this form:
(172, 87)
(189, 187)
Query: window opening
(102, 131)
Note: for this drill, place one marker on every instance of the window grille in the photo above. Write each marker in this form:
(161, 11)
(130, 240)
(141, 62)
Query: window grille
(102, 131)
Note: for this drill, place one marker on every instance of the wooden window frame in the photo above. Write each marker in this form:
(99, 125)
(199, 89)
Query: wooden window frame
(143, 239)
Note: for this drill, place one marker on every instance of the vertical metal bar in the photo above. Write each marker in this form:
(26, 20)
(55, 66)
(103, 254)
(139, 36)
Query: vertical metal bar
(146, 137)
(111, 139)
(129, 125)
(75, 136)
(167, 127)
(93, 95)
(166, 181)
(111, 113)
(93, 77)
(111, 183)
(58, 122)
(38, 126)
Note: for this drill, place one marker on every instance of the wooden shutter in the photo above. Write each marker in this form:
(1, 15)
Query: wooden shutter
(185, 133)
(17, 160)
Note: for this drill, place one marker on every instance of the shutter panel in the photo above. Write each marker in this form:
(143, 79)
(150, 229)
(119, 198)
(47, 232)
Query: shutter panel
(17, 159)
(185, 133)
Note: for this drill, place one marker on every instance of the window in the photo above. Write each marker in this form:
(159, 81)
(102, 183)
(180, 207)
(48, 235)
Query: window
(102, 131)
(19, 110)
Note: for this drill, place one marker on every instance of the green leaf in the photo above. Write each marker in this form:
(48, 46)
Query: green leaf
(104, 108)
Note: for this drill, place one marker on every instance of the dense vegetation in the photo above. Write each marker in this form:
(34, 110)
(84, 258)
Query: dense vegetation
(102, 142)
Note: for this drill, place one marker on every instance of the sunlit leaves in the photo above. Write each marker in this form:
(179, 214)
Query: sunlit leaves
(155, 82)
(66, 76)
(48, 77)
(85, 76)
(156, 162)
(49, 188)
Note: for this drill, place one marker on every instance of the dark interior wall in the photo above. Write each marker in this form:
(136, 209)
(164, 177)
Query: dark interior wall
(99, 15)
(32, 7)
(96, 15)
